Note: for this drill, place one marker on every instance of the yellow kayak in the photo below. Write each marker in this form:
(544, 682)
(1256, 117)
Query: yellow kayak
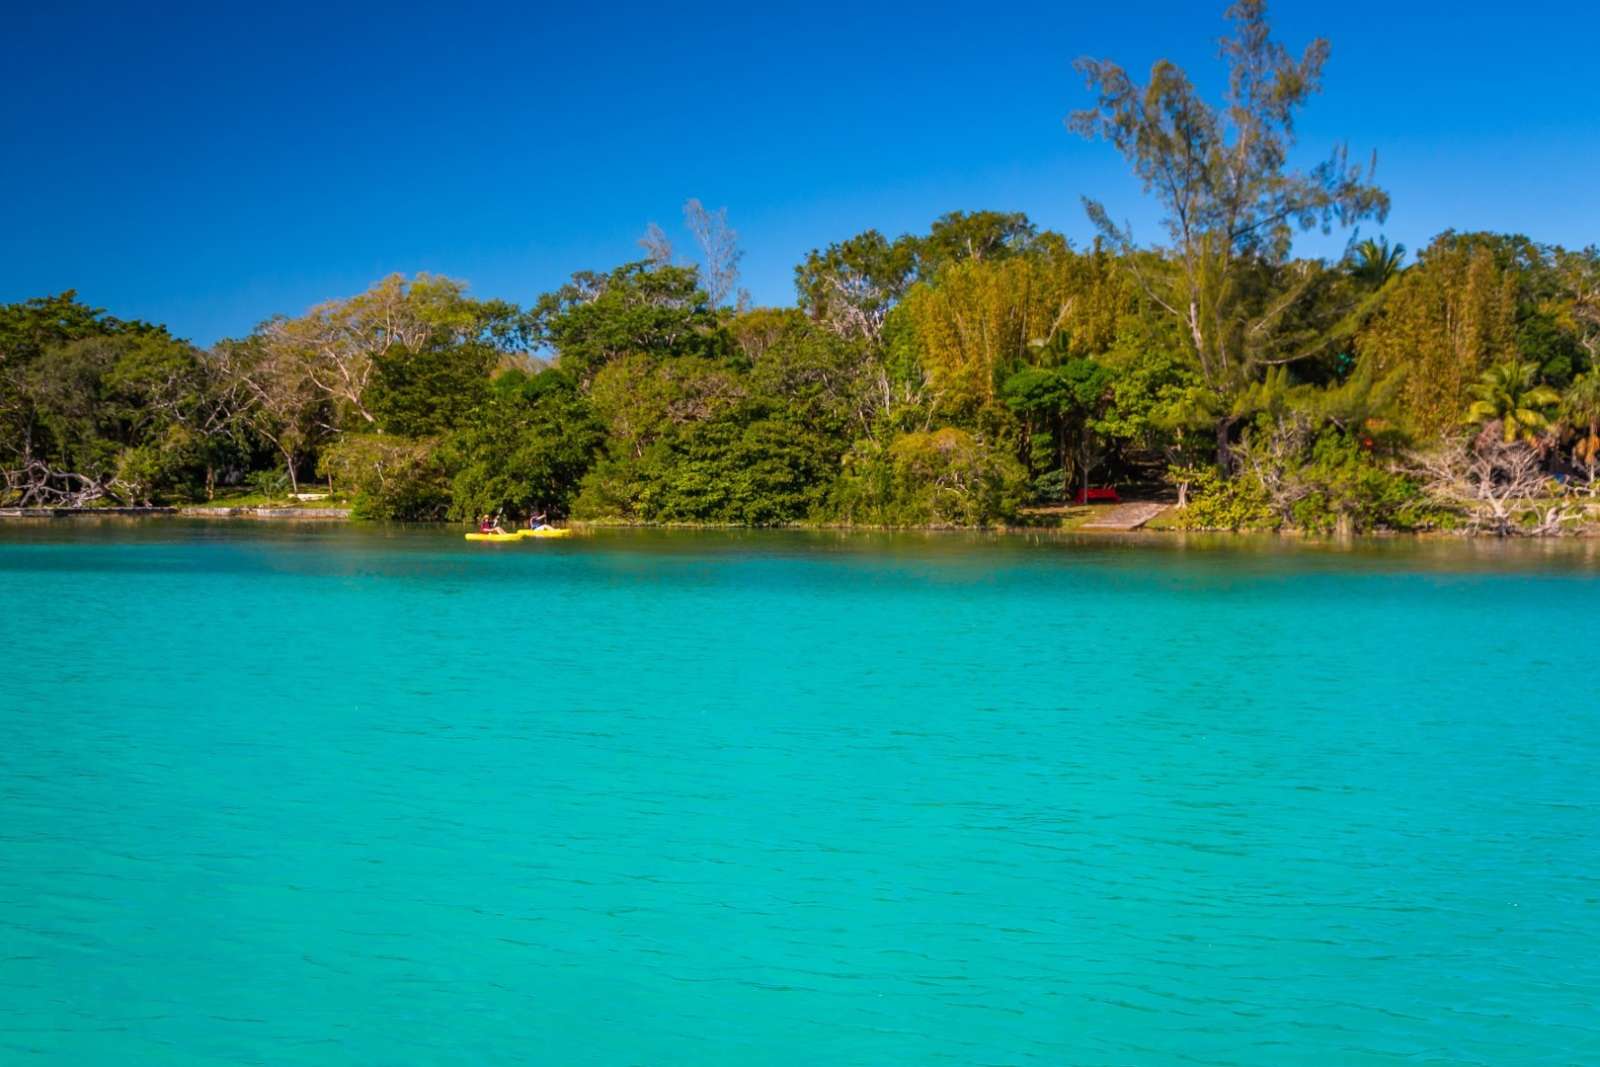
(517, 535)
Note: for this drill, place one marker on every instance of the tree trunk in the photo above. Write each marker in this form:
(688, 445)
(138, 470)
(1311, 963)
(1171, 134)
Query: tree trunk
(1061, 457)
(1225, 446)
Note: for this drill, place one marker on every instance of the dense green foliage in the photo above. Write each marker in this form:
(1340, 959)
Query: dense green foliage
(953, 377)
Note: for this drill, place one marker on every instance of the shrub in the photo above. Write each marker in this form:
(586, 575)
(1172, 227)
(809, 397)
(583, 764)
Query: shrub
(1349, 488)
(945, 477)
(1239, 503)
(392, 477)
(1333, 483)
(272, 482)
(764, 472)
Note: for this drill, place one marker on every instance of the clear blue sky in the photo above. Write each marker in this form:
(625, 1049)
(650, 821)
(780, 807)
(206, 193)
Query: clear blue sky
(206, 165)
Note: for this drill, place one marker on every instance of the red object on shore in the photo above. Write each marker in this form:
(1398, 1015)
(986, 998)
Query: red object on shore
(1089, 496)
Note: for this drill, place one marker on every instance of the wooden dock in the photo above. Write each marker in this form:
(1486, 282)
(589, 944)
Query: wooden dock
(1123, 517)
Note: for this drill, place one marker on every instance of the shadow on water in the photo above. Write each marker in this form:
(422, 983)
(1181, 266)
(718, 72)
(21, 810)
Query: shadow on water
(200, 544)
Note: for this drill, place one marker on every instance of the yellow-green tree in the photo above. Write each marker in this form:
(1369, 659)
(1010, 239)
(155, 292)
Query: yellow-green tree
(1445, 321)
(982, 320)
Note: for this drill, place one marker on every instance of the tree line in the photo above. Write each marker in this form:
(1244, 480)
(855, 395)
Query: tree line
(958, 376)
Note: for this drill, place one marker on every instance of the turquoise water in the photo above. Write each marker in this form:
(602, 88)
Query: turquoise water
(342, 796)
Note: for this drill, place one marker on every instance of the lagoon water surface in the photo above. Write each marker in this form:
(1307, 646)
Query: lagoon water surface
(346, 796)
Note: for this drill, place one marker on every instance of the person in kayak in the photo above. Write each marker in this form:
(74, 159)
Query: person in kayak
(539, 522)
(489, 526)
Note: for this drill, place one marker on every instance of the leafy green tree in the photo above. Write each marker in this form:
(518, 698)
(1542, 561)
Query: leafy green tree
(748, 467)
(393, 477)
(1159, 405)
(430, 390)
(643, 308)
(641, 400)
(92, 407)
(1065, 402)
(809, 372)
(851, 286)
(46, 391)
(341, 344)
(646, 405)
(29, 328)
(976, 235)
(1544, 338)
(535, 440)
(943, 477)
(1510, 393)
(157, 468)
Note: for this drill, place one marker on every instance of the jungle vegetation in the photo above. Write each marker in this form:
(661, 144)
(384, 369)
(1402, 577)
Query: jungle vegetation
(957, 376)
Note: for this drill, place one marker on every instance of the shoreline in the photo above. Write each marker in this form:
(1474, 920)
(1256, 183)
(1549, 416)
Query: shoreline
(343, 515)
(289, 514)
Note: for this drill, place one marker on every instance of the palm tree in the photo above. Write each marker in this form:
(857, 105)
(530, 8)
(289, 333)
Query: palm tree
(1376, 261)
(1510, 393)
(1580, 407)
